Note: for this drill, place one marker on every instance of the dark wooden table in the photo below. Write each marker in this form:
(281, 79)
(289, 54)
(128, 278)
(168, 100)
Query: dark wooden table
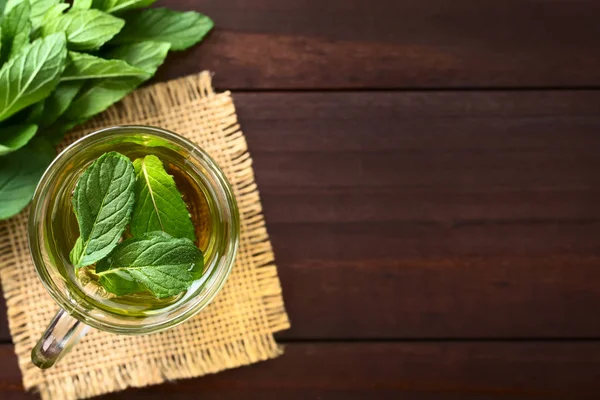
(430, 172)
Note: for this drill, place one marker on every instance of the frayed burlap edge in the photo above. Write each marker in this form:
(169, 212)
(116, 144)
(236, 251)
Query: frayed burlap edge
(158, 99)
(152, 371)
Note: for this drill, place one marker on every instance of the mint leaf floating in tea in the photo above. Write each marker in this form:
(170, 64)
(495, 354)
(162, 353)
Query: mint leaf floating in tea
(103, 200)
(158, 205)
(76, 251)
(156, 262)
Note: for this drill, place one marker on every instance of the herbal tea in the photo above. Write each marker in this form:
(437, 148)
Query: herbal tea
(134, 230)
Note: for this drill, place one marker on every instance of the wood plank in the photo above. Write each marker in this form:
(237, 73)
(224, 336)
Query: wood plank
(288, 44)
(438, 215)
(416, 370)
(431, 214)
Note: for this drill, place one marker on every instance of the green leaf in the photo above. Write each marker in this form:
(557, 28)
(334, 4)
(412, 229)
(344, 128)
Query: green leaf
(15, 30)
(76, 251)
(2, 5)
(58, 102)
(32, 75)
(158, 205)
(81, 5)
(34, 112)
(56, 132)
(40, 7)
(85, 29)
(113, 6)
(20, 41)
(54, 12)
(83, 66)
(98, 95)
(10, 4)
(164, 265)
(20, 173)
(181, 29)
(103, 200)
(14, 137)
(144, 55)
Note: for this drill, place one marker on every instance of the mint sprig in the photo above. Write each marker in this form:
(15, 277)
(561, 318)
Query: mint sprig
(162, 259)
(114, 47)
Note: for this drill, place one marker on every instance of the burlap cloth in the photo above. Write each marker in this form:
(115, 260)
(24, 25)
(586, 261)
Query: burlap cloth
(235, 329)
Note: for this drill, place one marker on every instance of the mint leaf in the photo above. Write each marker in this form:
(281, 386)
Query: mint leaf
(14, 137)
(103, 200)
(52, 13)
(144, 55)
(113, 6)
(181, 29)
(163, 265)
(96, 96)
(56, 132)
(20, 41)
(81, 5)
(119, 282)
(158, 203)
(83, 66)
(58, 102)
(34, 112)
(15, 30)
(39, 9)
(85, 29)
(19, 176)
(10, 4)
(32, 75)
(76, 251)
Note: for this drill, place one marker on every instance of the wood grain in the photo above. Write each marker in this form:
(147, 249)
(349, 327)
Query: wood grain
(422, 371)
(341, 44)
(431, 215)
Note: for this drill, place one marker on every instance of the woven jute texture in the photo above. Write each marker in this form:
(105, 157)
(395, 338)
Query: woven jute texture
(235, 329)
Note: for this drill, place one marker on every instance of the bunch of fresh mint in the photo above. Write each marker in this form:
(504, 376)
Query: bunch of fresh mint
(60, 65)
(161, 257)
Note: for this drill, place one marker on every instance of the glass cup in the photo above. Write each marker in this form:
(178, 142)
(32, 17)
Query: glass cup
(53, 231)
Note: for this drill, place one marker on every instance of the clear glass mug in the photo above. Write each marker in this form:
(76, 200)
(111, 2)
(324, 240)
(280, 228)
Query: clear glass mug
(53, 230)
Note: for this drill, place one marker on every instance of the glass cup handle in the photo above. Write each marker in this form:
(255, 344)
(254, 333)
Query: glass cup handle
(62, 333)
